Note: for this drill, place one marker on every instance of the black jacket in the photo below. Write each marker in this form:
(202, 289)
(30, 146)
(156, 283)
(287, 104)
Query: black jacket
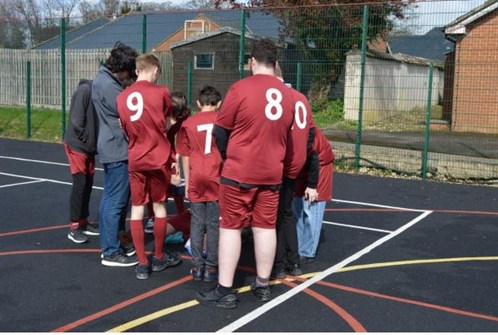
(82, 129)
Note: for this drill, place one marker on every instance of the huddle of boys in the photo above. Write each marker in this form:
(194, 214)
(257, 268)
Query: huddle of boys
(229, 185)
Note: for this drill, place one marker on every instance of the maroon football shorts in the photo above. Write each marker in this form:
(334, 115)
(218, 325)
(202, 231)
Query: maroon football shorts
(181, 222)
(80, 162)
(240, 207)
(148, 186)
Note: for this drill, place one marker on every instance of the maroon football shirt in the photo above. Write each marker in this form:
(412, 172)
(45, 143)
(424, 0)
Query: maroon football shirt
(143, 108)
(258, 111)
(298, 141)
(196, 140)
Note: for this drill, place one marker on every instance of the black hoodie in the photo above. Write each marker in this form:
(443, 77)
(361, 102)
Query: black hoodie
(82, 129)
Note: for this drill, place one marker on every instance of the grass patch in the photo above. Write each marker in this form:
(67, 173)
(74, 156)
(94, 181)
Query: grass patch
(326, 113)
(46, 124)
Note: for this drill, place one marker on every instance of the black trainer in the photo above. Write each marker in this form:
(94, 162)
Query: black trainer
(168, 260)
(77, 236)
(120, 260)
(294, 270)
(197, 272)
(263, 293)
(128, 249)
(279, 272)
(215, 298)
(306, 260)
(210, 274)
(91, 229)
(142, 271)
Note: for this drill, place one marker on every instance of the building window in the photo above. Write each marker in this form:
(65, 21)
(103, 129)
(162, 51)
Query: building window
(194, 27)
(204, 61)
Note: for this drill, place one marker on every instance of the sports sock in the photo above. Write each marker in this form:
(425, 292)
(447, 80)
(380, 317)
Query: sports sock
(159, 236)
(261, 282)
(74, 225)
(180, 205)
(137, 234)
(83, 223)
(223, 290)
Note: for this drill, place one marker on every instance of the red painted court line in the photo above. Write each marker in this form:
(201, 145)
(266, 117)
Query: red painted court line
(34, 230)
(121, 305)
(409, 301)
(350, 320)
(48, 251)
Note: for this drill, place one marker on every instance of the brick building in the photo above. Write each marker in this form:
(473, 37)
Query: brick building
(471, 83)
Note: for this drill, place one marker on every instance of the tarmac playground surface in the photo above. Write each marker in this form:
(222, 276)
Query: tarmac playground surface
(395, 255)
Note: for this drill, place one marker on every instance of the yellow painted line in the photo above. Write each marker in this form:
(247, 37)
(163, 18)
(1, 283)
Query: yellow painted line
(416, 262)
(153, 316)
(156, 315)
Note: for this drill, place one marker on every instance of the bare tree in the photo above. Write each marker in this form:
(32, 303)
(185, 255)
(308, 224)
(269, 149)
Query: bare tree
(200, 4)
(91, 11)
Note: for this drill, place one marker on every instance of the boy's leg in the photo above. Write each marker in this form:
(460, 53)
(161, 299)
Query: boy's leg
(213, 233)
(316, 218)
(160, 225)
(77, 199)
(197, 232)
(137, 232)
(304, 227)
(113, 205)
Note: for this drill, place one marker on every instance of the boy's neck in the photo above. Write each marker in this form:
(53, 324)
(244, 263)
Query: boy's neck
(208, 109)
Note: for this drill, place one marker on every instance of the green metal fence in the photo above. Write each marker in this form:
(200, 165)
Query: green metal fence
(408, 89)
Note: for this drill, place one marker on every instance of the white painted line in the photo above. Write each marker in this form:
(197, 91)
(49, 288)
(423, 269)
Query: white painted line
(289, 294)
(25, 183)
(38, 161)
(377, 205)
(357, 227)
(43, 179)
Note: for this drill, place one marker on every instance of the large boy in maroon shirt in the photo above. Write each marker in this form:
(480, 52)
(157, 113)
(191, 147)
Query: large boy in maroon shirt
(251, 131)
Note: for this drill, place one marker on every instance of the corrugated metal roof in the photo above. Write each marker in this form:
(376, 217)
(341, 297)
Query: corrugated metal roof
(73, 34)
(161, 25)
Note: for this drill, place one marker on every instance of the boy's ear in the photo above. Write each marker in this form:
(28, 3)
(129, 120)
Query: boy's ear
(199, 104)
(218, 104)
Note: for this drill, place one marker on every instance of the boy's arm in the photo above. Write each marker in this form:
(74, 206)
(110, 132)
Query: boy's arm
(221, 137)
(186, 172)
(81, 101)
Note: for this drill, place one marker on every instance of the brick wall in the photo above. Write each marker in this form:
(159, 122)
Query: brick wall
(475, 95)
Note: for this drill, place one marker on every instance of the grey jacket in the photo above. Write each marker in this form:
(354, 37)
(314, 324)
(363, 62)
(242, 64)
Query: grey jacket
(112, 145)
(82, 129)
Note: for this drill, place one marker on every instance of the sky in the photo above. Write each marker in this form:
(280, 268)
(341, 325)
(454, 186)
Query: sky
(429, 14)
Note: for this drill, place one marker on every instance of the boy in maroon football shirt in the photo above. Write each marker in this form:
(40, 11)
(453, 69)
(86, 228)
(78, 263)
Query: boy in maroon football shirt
(144, 110)
(300, 142)
(251, 132)
(202, 167)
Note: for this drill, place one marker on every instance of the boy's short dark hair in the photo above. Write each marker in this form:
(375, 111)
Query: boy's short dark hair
(209, 96)
(265, 52)
(122, 59)
(180, 109)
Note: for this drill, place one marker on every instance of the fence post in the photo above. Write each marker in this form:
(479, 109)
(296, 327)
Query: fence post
(242, 45)
(362, 84)
(28, 100)
(299, 78)
(189, 84)
(144, 33)
(63, 75)
(425, 153)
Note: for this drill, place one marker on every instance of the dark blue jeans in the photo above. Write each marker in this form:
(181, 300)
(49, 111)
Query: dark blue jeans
(113, 205)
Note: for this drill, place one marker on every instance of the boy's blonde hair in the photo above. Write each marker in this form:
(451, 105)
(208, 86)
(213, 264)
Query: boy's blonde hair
(147, 61)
